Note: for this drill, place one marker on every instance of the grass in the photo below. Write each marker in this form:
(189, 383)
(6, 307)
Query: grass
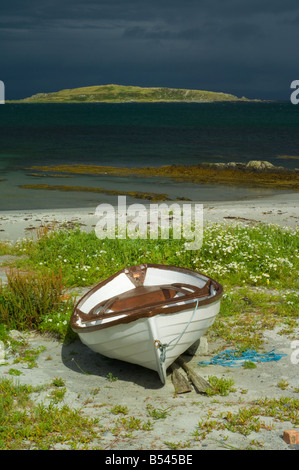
(248, 419)
(220, 386)
(263, 255)
(157, 413)
(111, 377)
(125, 426)
(245, 421)
(121, 93)
(177, 445)
(119, 409)
(33, 300)
(26, 425)
(28, 356)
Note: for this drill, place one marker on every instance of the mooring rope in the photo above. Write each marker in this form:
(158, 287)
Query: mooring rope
(163, 347)
(237, 358)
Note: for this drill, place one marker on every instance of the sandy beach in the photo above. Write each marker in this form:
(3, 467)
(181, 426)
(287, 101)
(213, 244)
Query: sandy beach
(138, 389)
(281, 208)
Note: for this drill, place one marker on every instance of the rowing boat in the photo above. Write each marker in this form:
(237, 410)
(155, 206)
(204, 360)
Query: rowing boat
(147, 314)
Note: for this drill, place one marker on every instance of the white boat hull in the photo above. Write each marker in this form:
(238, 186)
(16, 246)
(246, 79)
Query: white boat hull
(152, 340)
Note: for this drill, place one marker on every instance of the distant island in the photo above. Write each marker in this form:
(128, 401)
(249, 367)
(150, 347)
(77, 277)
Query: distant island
(127, 94)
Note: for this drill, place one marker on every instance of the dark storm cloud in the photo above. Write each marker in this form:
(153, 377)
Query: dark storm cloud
(36, 13)
(245, 47)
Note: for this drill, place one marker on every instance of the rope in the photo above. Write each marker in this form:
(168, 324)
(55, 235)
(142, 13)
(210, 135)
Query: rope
(237, 358)
(163, 347)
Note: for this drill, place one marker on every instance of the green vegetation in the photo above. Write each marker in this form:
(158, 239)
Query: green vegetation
(248, 418)
(127, 94)
(126, 425)
(220, 386)
(119, 409)
(258, 267)
(31, 300)
(157, 413)
(261, 255)
(26, 425)
(177, 445)
(111, 377)
(28, 356)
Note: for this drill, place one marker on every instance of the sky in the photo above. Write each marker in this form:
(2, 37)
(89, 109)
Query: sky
(245, 47)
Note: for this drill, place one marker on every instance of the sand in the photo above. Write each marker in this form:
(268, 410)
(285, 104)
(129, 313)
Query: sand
(281, 209)
(84, 371)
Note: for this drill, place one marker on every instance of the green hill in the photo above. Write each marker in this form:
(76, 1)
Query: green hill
(124, 94)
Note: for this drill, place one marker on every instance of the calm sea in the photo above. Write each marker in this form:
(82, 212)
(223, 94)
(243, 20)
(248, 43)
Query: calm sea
(136, 134)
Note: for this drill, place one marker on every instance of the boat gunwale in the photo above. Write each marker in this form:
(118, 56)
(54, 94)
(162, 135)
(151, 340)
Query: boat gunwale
(150, 312)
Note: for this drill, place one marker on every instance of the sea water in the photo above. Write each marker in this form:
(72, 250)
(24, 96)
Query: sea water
(138, 134)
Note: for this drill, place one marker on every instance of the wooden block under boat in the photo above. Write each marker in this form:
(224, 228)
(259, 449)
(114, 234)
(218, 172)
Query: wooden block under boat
(199, 383)
(180, 382)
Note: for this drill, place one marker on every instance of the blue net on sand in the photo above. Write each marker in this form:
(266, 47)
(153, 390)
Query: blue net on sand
(237, 358)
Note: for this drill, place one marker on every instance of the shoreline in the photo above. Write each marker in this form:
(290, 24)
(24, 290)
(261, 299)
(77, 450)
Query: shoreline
(280, 209)
(205, 182)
